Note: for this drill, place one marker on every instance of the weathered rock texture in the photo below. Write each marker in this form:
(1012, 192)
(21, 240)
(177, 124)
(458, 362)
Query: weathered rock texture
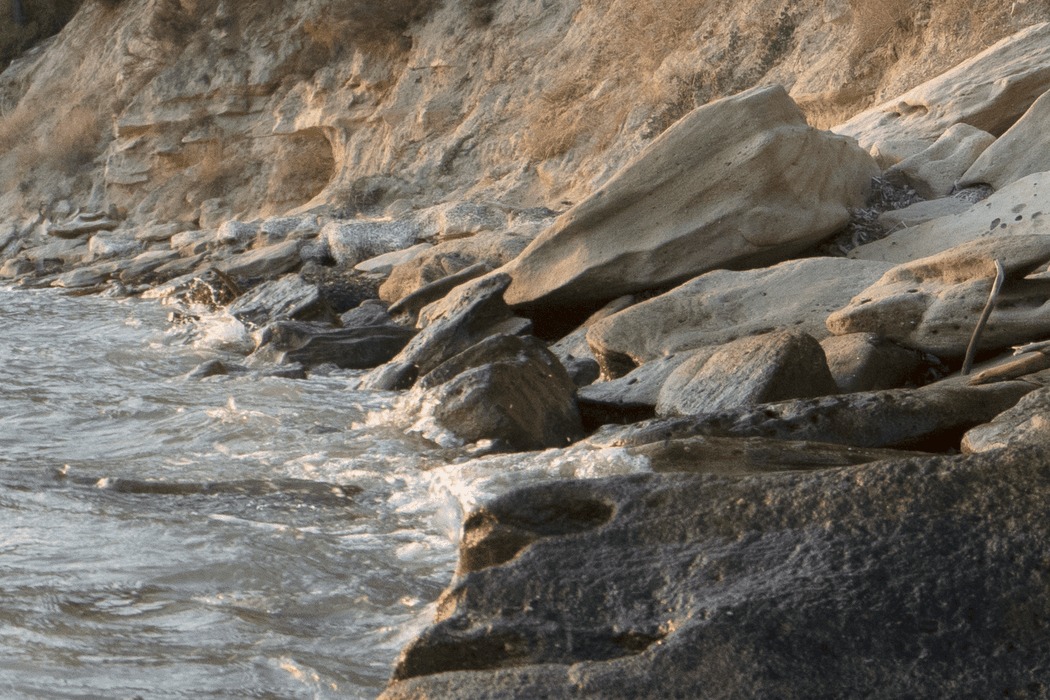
(917, 578)
(179, 110)
(933, 304)
(721, 306)
(738, 183)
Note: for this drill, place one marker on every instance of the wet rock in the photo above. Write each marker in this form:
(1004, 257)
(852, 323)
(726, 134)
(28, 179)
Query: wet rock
(934, 171)
(1021, 208)
(933, 304)
(865, 361)
(990, 91)
(505, 388)
(143, 264)
(211, 368)
(92, 276)
(740, 182)
(348, 348)
(722, 306)
(760, 369)
(469, 314)
(16, 267)
(932, 418)
(289, 298)
(269, 262)
(393, 376)
(828, 584)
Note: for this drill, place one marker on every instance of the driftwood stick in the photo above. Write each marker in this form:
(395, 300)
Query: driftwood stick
(1000, 274)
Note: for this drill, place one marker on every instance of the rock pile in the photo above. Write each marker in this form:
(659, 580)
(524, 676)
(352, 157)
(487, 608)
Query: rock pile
(803, 538)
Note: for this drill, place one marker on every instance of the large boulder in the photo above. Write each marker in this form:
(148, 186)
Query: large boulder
(1020, 208)
(933, 304)
(990, 91)
(917, 578)
(1019, 152)
(506, 388)
(352, 242)
(721, 306)
(758, 369)
(741, 182)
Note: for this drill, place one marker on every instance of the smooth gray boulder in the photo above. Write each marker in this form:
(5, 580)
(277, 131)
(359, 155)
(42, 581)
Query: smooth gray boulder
(760, 369)
(740, 182)
(1020, 152)
(718, 307)
(632, 397)
(915, 578)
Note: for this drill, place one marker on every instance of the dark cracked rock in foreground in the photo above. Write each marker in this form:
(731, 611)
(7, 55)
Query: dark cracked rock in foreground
(920, 578)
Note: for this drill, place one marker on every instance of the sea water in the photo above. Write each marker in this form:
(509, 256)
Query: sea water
(240, 536)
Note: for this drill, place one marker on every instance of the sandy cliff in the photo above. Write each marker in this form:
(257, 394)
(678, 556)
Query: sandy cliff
(259, 108)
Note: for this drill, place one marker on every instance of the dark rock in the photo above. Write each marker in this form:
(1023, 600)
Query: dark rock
(864, 361)
(498, 348)
(760, 369)
(312, 345)
(582, 370)
(508, 389)
(410, 305)
(756, 455)
(211, 368)
(630, 398)
(932, 418)
(371, 312)
(289, 298)
(468, 315)
(393, 376)
(919, 578)
(267, 262)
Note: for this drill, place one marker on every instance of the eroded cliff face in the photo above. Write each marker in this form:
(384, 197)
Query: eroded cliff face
(205, 110)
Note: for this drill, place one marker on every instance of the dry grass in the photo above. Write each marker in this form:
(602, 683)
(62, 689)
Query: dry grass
(304, 167)
(69, 147)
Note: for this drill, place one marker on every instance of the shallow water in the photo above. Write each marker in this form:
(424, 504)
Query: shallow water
(234, 537)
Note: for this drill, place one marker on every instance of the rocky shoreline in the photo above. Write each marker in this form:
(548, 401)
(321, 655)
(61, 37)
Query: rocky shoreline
(836, 510)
